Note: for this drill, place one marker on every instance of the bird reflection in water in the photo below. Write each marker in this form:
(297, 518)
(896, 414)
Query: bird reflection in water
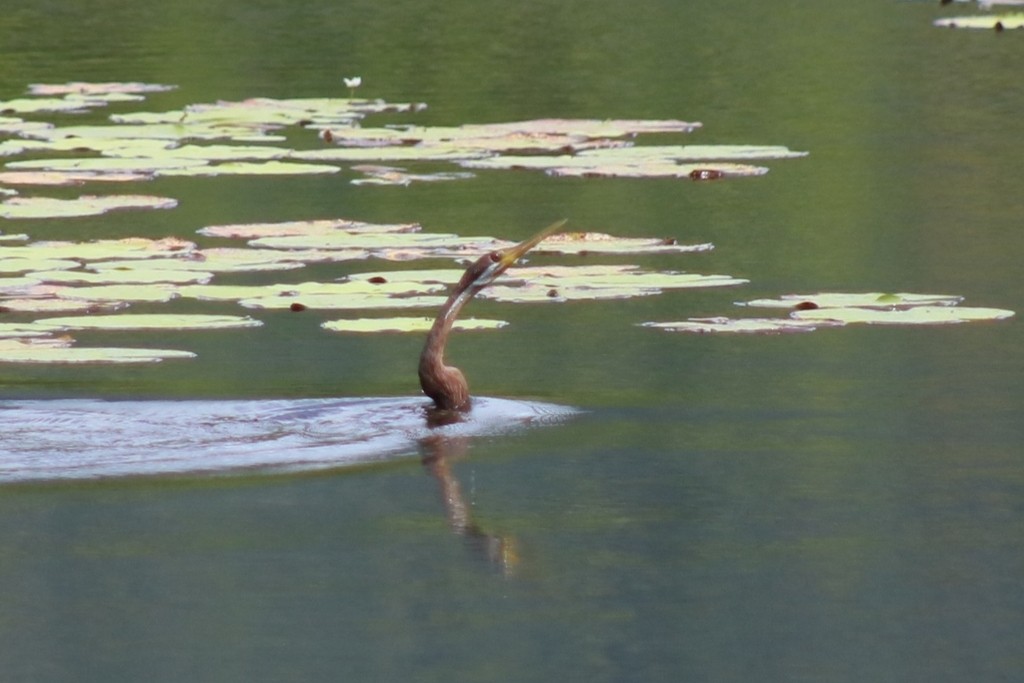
(439, 454)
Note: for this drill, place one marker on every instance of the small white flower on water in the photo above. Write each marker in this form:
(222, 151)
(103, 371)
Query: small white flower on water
(353, 82)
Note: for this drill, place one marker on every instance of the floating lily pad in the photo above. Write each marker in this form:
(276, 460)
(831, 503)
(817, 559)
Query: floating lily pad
(28, 265)
(100, 250)
(86, 88)
(54, 305)
(149, 321)
(111, 276)
(877, 300)
(374, 325)
(641, 162)
(201, 152)
(391, 175)
(21, 330)
(11, 125)
(86, 205)
(249, 168)
(235, 260)
(156, 293)
(67, 177)
(564, 283)
(110, 164)
(916, 315)
(447, 276)
(741, 325)
(987, 21)
(596, 242)
(48, 104)
(313, 227)
(341, 239)
(390, 154)
(341, 302)
(61, 352)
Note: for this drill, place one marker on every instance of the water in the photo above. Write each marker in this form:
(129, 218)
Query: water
(839, 506)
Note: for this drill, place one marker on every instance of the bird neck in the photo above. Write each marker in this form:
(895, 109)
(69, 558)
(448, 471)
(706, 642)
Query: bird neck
(446, 385)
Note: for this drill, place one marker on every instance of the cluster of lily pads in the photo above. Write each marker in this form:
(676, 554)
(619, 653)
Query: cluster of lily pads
(997, 22)
(251, 137)
(808, 312)
(87, 285)
(51, 289)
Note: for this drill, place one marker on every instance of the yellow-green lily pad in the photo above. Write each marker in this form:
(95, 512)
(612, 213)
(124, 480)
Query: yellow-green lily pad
(392, 175)
(68, 177)
(93, 88)
(148, 321)
(155, 293)
(406, 324)
(29, 265)
(249, 168)
(563, 283)
(596, 242)
(86, 205)
(311, 227)
(113, 165)
(112, 276)
(983, 21)
(100, 250)
(720, 325)
(878, 300)
(916, 315)
(49, 351)
(54, 305)
(21, 330)
(351, 302)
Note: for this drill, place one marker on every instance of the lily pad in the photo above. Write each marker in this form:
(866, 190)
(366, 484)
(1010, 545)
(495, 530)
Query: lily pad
(156, 293)
(374, 325)
(391, 175)
(86, 205)
(916, 315)
(68, 177)
(149, 321)
(48, 104)
(115, 165)
(596, 242)
(313, 227)
(235, 260)
(28, 265)
(877, 300)
(201, 152)
(61, 352)
(987, 21)
(87, 88)
(12, 125)
(640, 162)
(249, 168)
(21, 330)
(720, 325)
(100, 250)
(390, 154)
(564, 283)
(111, 276)
(55, 305)
(341, 302)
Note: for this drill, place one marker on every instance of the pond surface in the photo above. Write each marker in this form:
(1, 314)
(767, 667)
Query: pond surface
(844, 505)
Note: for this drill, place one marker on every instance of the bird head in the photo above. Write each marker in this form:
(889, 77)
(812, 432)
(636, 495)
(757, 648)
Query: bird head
(488, 267)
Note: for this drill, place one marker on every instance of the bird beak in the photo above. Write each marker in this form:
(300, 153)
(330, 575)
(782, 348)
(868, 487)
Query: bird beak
(513, 254)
